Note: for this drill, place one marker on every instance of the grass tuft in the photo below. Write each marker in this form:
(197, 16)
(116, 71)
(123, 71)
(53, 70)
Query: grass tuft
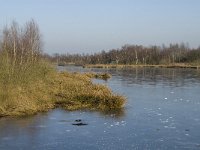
(71, 91)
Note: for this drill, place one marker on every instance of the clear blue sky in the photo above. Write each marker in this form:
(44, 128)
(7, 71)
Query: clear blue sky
(93, 25)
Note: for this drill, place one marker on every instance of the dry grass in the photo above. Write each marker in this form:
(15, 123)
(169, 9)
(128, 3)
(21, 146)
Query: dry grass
(177, 65)
(71, 91)
(77, 91)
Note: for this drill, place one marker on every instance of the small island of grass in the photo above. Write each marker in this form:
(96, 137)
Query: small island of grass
(28, 84)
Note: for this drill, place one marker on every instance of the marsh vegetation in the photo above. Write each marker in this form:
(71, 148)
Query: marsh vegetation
(29, 84)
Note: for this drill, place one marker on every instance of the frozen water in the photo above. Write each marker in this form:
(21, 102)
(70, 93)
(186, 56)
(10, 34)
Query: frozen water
(162, 112)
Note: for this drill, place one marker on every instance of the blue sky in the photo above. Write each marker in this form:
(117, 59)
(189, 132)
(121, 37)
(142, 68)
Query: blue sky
(89, 26)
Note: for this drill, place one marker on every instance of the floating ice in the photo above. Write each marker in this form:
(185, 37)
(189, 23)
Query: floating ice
(112, 115)
(68, 130)
(52, 118)
(187, 134)
(6, 138)
(117, 123)
(172, 127)
(164, 121)
(41, 126)
(161, 140)
(165, 98)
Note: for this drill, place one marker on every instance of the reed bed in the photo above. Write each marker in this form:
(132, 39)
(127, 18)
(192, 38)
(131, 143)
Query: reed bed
(71, 91)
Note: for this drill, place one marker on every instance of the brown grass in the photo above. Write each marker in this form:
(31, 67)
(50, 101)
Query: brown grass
(177, 65)
(71, 91)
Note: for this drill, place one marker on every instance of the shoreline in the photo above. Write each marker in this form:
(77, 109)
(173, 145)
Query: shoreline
(108, 66)
(70, 91)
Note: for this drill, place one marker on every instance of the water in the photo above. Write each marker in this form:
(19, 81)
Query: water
(162, 112)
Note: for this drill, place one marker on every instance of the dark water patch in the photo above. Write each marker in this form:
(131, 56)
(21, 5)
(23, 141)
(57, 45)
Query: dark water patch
(78, 120)
(187, 130)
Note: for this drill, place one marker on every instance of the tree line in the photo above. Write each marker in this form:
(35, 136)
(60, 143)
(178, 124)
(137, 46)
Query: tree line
(134, 54)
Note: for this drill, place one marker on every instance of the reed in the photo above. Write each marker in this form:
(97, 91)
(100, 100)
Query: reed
(47, 89)
(76, 91)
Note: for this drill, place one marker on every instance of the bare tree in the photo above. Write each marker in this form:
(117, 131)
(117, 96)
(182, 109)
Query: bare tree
(22, 45)
(33, 37)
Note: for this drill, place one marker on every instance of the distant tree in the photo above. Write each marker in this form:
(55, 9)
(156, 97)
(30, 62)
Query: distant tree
(137, 54)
